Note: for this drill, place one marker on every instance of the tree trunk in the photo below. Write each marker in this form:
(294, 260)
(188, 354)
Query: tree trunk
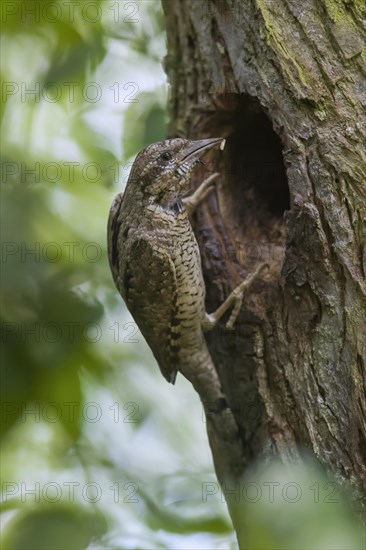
(284, 82)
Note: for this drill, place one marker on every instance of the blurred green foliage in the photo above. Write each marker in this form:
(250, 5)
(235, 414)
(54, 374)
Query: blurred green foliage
(97, 451)
(296, 506)
(87, 422)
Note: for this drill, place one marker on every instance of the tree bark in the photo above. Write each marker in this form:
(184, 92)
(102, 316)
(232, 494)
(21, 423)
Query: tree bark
(284, 82)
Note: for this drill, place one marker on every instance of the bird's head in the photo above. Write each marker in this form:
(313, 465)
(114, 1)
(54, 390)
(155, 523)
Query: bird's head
(162, 170)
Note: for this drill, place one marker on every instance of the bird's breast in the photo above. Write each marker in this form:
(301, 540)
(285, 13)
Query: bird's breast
(172, 234)
(191, 295)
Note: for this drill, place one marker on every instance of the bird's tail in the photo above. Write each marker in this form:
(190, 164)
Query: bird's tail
(222, 429)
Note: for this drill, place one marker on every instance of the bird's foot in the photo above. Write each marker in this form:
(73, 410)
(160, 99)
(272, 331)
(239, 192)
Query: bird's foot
(235, 298)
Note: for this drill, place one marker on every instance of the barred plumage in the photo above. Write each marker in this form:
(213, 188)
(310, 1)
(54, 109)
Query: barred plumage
(154, 255)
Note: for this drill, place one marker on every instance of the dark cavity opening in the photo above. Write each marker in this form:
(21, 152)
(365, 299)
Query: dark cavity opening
(256, 161)
(255, 193)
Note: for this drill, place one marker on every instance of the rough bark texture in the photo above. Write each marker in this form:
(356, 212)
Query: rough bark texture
(284, 82)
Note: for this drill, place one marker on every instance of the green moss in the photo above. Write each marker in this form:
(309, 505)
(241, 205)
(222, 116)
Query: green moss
(293, 62)
(337, 12)
(344, 28)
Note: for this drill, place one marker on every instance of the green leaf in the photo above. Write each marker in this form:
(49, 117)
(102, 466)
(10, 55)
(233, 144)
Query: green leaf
(55, 527)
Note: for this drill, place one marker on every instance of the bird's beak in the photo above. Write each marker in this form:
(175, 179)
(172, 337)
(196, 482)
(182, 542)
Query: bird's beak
(196, 148)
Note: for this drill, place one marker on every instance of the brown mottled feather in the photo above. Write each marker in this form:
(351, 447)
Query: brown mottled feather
(151, 285)
(114, 224)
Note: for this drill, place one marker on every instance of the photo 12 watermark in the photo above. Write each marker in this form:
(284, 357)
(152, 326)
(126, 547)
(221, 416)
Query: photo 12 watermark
(271, 491)
(70, 11)
(69, 412)
(66, 172)
(54, 92)
(69, 491)
(69, 332)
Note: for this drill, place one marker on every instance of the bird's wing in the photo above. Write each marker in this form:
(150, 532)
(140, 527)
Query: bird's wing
(151, 296)
(113, 232)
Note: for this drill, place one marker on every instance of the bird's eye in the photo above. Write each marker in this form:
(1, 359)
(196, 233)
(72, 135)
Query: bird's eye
(166, 156)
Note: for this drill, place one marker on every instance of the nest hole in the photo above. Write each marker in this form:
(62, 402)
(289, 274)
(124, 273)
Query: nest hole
(255, 191)
(256, 161)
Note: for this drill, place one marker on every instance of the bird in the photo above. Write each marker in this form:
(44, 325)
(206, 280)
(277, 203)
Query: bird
(155, 259)
(156, 266)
